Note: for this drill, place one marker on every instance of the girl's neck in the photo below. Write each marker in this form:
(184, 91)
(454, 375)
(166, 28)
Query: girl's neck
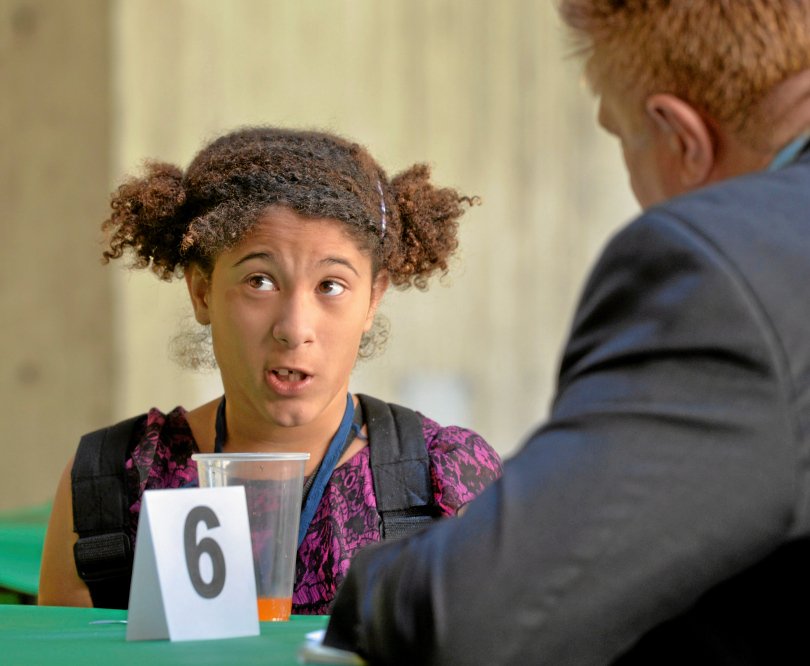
(245, 433)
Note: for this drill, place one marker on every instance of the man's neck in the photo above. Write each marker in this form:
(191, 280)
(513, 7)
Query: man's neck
(784, 114)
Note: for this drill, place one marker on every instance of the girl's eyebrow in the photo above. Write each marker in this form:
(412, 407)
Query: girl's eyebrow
(341, 261)
(270, 258)
(264, 256)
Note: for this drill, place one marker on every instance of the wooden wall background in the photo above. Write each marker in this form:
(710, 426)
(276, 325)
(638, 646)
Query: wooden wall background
(483, 90)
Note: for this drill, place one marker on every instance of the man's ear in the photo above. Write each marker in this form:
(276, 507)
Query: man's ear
(687, 136)
(198, 289)
(378, 289)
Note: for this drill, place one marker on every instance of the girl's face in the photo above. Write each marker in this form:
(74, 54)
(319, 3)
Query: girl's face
(287, 308)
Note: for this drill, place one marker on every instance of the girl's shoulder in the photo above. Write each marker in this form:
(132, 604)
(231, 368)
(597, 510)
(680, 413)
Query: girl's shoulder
(161, 449)
(157, 428)
(458, 442)
(462, 463)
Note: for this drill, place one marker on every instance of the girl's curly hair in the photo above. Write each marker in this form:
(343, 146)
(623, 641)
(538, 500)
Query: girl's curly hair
(168, 219)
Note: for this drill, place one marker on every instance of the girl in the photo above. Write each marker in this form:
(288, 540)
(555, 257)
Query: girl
(287, 241)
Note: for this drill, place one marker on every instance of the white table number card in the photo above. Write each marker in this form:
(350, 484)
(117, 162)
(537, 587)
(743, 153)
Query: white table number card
(192, 578)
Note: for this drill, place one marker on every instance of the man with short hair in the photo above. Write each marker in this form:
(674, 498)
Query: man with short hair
(662, 514)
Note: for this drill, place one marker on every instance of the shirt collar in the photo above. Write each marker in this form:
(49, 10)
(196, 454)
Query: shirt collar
(790, 152)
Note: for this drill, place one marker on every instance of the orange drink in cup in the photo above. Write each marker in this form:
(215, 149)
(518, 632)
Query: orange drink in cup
(273, 484)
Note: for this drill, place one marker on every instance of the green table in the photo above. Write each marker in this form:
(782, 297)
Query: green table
(49, 635)
(21, 535)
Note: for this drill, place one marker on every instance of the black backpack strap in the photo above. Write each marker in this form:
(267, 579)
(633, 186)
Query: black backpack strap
(400, 468)
(103, 553)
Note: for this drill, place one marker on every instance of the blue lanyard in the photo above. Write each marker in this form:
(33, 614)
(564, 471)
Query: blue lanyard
(790, 152)
(325, 469)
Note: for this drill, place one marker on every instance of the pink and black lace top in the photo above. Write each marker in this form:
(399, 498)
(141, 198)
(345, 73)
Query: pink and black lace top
(462, 464)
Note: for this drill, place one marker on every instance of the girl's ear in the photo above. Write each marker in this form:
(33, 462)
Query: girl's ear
(199, 287)
(378, 289)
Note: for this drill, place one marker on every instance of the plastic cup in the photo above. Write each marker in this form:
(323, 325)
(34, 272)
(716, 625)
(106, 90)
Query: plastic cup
(273, 484)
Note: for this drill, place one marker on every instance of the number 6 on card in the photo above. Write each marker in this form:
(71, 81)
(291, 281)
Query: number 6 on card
(193, 573)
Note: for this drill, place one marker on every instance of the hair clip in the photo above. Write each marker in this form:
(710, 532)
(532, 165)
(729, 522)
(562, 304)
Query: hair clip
(383, 221)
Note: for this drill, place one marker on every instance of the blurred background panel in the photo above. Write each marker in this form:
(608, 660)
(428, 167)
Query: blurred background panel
(485, 91)
(57, 324)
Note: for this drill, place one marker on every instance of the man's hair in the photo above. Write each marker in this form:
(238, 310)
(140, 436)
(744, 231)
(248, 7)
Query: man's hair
(721, 56)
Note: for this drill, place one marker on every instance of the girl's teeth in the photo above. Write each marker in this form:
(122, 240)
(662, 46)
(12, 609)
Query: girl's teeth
(289, 375)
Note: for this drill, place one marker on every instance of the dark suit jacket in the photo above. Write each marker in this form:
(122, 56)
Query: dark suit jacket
(659, 516)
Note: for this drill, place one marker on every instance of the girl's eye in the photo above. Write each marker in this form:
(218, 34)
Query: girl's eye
(331, 288)
(261, 283)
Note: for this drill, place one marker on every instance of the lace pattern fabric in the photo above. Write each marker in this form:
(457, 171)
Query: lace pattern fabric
(462, 464)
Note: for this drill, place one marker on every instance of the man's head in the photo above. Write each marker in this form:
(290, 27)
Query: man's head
(686, 84)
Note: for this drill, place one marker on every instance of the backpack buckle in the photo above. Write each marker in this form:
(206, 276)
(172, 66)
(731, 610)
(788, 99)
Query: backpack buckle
(103, 556)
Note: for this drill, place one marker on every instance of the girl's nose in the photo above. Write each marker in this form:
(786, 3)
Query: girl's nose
(294, 325)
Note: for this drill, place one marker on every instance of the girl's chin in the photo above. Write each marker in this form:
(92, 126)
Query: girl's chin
(304, 410)
(291, 416)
